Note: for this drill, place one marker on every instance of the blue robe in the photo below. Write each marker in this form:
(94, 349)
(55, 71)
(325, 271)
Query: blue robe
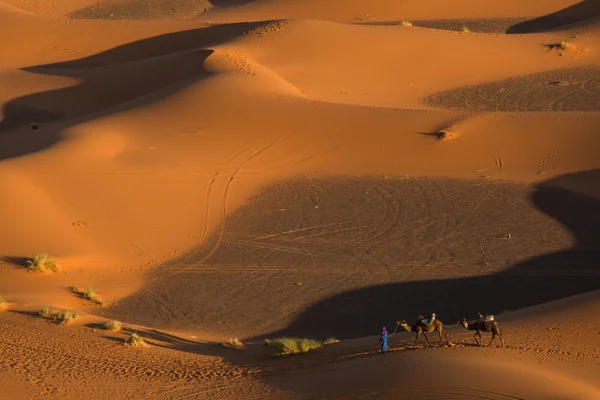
(383, 340)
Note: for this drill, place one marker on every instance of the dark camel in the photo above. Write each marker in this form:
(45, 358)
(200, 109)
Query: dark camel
(483, 326)
(421, 328)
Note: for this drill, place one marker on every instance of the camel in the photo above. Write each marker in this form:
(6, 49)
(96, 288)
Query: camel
(424, 329)
(483, 326)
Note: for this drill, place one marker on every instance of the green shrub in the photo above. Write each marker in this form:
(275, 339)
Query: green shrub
(66, 317)
(45, 312)
(42, 263)
(113, 326)
(286, 346)
(136, 340)
(465, 28)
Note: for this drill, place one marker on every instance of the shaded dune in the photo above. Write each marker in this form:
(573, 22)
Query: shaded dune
(577, 13)
(103, 88)
(127, 76)
(341, 256)
(142, 9)
(572, 89)
(161, 45)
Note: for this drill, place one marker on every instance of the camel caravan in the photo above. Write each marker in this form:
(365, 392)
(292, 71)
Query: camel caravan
(423, 326)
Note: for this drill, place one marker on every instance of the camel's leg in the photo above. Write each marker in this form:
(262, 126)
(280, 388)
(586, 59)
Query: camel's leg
(426, 338)
(440, 332)
(416, 339)
(493, 337)
(478, 340)
(446, 336)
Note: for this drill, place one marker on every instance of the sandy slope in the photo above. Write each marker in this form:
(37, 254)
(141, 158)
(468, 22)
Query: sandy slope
(232, 168)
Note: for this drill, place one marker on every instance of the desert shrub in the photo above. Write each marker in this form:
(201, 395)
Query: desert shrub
(331, 340)
(286, 346)
(233, 342)
(113, 326)
(136, 340)
(42, 263)
(465, 28)
(66, 317)
(407, 23)
(92, 296)
(45, 312)
(89, 294)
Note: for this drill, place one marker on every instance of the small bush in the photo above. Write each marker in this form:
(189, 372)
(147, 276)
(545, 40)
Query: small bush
(136, 340)
(66, 317)
(42, 263)
(407, 23)
(113, 326)
(286, 346)
(567, 46)
(45, 312)
(92, 296)
(465, 28)
(331, 340)
(234, 343)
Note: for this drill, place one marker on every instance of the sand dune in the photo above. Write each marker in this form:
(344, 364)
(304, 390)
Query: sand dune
(251, 169)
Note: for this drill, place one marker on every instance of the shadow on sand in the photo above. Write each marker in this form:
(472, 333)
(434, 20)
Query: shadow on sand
(111, 81)
(580, 12)
(341, 256)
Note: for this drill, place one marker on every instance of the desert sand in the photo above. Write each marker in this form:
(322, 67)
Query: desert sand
(315, 168)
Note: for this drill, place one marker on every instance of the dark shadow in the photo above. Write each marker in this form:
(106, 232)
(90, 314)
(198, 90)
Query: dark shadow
(369, 251)
(17, 261)
(114, 80)
(580, 12)
(31, 314)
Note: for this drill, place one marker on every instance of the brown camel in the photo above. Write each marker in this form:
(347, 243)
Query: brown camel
(421, 328)
(483, 326)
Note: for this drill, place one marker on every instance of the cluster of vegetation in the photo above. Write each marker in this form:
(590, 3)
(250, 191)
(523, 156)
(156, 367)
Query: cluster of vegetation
(90, 295)
(113, 326)
(42, 263)
(61, 317)
(285, 346)
(136, 340)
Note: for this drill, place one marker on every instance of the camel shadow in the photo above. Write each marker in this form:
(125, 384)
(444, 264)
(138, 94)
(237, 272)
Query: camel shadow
(580, 12)
(125, 77)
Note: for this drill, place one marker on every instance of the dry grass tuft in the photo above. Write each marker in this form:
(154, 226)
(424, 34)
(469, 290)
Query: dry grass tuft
(407, 23)
(565, 46)
(45, 312)
(90, 295)
(331, 340)
(287, 346)
(113, 326)
(465, 28)
(234, 343)
(42, 263)
(136, 340)
(66, 317)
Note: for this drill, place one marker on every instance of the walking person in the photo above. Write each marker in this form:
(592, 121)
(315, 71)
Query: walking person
(383, 339)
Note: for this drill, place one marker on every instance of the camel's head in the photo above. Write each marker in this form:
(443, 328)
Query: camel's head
(401, 323)
(464, 322)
